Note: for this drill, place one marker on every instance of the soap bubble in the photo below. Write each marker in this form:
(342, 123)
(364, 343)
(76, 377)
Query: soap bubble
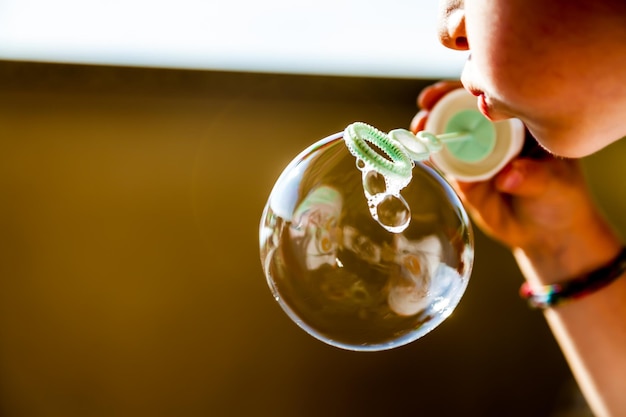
(359, 259)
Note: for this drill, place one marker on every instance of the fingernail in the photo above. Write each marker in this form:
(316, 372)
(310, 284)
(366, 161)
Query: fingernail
(419, 121)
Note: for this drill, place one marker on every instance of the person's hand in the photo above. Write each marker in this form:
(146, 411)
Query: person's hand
(539, 206)
(427, 100)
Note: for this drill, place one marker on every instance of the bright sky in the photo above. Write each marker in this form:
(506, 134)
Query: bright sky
(394, 38)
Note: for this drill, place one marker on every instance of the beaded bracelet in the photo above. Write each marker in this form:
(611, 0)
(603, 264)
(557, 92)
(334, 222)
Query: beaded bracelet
(547, 296)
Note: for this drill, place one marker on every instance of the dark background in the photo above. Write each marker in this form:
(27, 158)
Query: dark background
(130, 280)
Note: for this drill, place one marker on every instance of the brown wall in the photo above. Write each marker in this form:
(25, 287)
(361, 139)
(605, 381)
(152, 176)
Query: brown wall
(130, 282)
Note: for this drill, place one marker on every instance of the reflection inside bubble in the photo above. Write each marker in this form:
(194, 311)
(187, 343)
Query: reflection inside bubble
(355, 265)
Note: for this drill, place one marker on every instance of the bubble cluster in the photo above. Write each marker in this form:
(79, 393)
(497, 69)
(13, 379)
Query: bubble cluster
(386, 168)
(363, 257)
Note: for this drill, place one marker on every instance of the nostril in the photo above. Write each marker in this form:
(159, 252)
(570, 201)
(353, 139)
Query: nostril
(461, 42)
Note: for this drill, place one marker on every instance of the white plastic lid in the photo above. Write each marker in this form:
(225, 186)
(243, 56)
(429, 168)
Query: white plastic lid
(509, 139)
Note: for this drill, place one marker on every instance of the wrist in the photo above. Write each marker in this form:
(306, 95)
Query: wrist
(561, 256)
(548, 296)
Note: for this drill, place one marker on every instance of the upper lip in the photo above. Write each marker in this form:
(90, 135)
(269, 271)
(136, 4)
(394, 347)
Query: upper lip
(474, 91)
(493, 111)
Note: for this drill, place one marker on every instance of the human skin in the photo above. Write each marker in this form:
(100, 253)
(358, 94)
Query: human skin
(560, 67)
(557, 65)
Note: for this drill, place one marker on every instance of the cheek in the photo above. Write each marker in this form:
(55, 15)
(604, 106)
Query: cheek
(513, 48)
(511, 69)
(531, 81)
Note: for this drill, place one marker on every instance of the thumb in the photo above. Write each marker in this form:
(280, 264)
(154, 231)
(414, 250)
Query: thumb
(523, 177)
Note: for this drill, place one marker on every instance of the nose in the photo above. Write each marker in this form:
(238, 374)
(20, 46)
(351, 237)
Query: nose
(452, 25)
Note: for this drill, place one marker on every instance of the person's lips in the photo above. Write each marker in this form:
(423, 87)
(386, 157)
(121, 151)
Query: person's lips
(483, 105)
(493, 109)
(481, 101)
(473, 91)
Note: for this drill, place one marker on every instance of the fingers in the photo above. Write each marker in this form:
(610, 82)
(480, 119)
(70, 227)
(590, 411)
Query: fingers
(525, 177)
(419, 121)
(477, 194)
(433, 93)
(428, 97)
(488, 208)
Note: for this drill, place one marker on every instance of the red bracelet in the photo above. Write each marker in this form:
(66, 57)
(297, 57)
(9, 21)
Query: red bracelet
(547, 296)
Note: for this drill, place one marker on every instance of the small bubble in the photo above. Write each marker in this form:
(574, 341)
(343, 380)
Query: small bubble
(393, 213)
(374, 183)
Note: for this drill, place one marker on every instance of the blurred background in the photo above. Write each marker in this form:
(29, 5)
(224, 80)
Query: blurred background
(138, 145)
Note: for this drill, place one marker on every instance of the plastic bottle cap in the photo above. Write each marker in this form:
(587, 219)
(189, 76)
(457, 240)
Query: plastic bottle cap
(481, 157)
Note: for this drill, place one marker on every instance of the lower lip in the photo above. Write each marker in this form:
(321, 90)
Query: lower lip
(483, 106)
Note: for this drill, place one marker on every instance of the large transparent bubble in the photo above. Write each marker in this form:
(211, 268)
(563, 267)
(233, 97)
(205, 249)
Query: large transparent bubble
(358, 259)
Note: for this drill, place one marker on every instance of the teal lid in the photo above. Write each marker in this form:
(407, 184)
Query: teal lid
(469, 136)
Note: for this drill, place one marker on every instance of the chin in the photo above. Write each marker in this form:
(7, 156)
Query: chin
(567, 144)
